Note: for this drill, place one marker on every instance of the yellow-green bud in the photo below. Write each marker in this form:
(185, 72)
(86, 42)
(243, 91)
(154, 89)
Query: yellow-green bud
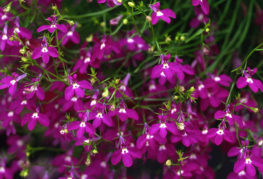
(24, 173)
(22, 51)
(105, 93)
(94, 151)
(89, 38)
(207, 29)
(125, 21)
(131, 4)
(148, 18)
(182, 38)
(168, 163)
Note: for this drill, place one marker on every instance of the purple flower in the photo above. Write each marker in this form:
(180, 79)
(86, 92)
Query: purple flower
(204, 5)
(247, 79)
(99, 116)
(21, 31)
(81, 127)
(231, 118)
(53, 25)
(76, 88)
(126, 154)
(111, 3)
(162, 127)
(75, 102)
(72, 35)
(200, 18)
(10, 82)
(164, 14)
(217, 135)
(4, 38)
(116, 20)
(35, 89)
(124, 113)
(45, 52)
(32, 118)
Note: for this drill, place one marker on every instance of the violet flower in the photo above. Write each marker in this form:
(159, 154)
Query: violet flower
(76, 88)
(21, 31)
(217, 135)
(81, 127)
(164, 14)
(204, 5)
(32, 118)
(53, 25)
(200, 18)
(44, 52)
(247, 79)
(124, 113)
(72, 35)
(4, 38)
(10, 82)
(35, 89)
(111, 3)
(126, 154)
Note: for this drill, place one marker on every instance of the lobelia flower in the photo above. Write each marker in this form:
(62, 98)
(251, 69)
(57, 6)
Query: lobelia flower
(5, 173)
(53, 25)
(81, 127)
(10, 82)
(223, 79)
(99, 116)
(32, 118)
(115, 21)
(72, 35)
(200, 18)
(44, 52)
(111, 3)
(75, 102)
(21, 31)
(126, 154)
(165, 151)
(124, 90)
(164, 14)
(162, 127)
(124, 113)
(204, 5)
(247, 79)
(217, 135)
(231, 118)
(167, 70)
(76, 88)
(35, 89)
(4, 39)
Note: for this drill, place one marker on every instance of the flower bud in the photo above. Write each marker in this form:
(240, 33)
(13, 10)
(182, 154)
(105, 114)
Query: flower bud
(22, 51)
(105, 93)
(125, 21)
(131, 4)
(89, 38)
(148, 18)
(207, 29)
(182, 38)
(168, 163)
(94, 151)
(24, 173)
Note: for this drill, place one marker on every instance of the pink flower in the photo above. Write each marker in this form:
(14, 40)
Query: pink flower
(217, 135)
(10, 82)
(32, 118)
(247, 79)
(204, 5)
(164, 14)
(72, 35)
(126, 154)
(44, 52)
(53, 26)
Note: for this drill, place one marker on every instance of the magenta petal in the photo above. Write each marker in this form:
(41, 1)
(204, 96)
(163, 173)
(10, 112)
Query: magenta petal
(107, 120)
(218, 139)
(80, 132)
(132, 114)
(36, 53)
(12, 89)
(205, 6)
(90, 129)
(195, 2)
(156, 71)
(163, 132)
(141, 141)
(75, 37)
(241, 82)
(169, 12)
(73, 125)
(154, 128)
(31, 125)
(116, 157)
(154, 18)
(253, 87)
(250, 169)
(172, 128)
(42, 28)
(234, 151)
(97, 122)
(69, 92)
(80, 92)
(239, 165)
(45, 58)
(40, 93)
(85, 84)
(219, 114)
(52, 51)
(127, 160)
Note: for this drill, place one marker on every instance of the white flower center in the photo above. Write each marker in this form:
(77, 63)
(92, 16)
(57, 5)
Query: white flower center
(123, 88)
(179, 172)
(99, 115)
(87, 60)
(103, 164)
(4, 17)
(162, 74)
(159, 13)
(204, 131)
(130, 40)
(162, 147)
(2, 170)
(122, 110)
(102, 46)
(163, 125)
(70, 33)
(93, 102)
(249, 80)
(74, 99)
(152, 87)
(13, 82)
(229, 115)
(248, 161)
(44, 50)
(173, 110)
(75, 85)
(260, 143)
(165, 66)
(124, 151)
(193, 156)
(53, 26)
(82, 124)
(242, 173)
(4, 37)
(200, 17)
(35, 115)
(180, 126)
(16, 30)
(24, 102)
(68, 158)
(220, 132)
(217, 78)
(200, 87)
(10, 114)
(20, 143)
(148, 136)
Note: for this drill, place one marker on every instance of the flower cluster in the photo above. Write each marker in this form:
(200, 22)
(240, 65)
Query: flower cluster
(99, 94)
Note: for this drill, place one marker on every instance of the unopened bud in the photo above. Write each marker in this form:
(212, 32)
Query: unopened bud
(94, 151)
(181, 88)
(22, 51)
(131, 4)
(89, 38)
(148, 18)
(168, 163)
(168, 39)
(125, 21)
(105, 93)
(192, 89)
(182, 38)
(207, 29)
